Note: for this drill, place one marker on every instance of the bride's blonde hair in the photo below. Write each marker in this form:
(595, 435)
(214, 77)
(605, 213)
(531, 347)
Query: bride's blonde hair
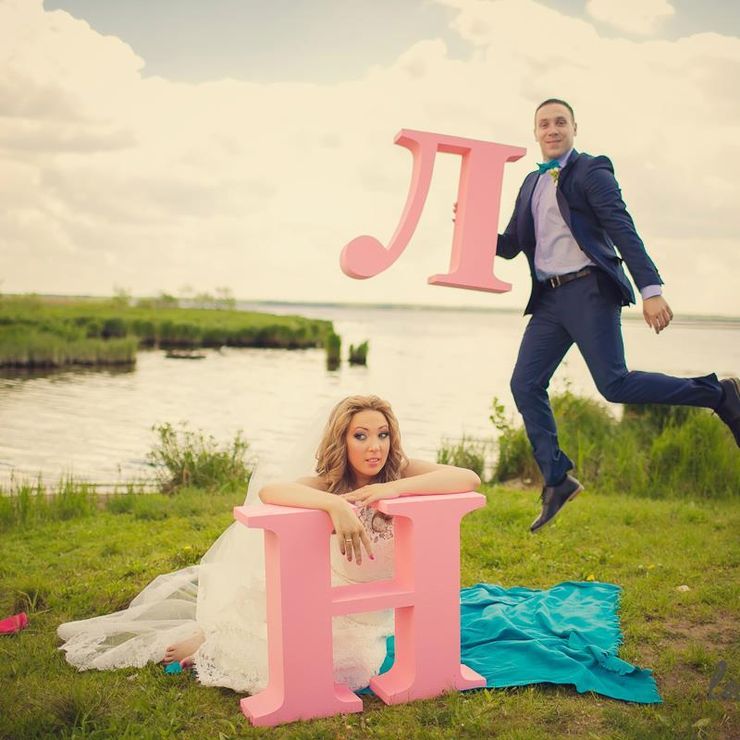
(331, 456)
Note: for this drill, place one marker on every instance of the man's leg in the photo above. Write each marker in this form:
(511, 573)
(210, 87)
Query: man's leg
(597, 330)
(543, 347)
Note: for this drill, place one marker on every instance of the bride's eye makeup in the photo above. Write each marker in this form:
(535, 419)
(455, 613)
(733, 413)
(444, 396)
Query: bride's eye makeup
(363, 436)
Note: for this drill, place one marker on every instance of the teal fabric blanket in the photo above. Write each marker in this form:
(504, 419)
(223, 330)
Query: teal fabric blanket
(567, 634)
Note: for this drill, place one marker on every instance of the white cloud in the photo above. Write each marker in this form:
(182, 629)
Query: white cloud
(634, 16)
(111, 178)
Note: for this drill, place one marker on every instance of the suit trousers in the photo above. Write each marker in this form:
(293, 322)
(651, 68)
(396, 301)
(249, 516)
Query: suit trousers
(587, 312)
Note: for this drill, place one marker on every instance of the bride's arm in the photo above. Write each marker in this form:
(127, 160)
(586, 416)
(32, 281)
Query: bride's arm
(306, 493)
(418, 477)
(311, 493)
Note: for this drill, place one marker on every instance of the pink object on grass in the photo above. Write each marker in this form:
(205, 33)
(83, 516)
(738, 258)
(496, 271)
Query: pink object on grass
(301, 603)
(16, 623)
(476, 223)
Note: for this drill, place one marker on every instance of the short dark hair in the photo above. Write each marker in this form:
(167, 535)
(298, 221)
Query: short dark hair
(550, 101)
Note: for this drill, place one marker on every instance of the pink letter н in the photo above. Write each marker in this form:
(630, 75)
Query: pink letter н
(476, 225)
(301, 602)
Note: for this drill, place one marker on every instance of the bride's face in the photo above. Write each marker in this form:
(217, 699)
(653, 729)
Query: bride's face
(368, 442)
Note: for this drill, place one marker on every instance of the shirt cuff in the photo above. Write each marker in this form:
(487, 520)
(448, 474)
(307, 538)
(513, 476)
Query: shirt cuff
(650, 291)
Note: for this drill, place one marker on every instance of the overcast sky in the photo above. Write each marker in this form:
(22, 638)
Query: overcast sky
(156, 144)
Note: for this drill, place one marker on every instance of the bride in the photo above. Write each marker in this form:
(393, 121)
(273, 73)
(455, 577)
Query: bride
(212, 616)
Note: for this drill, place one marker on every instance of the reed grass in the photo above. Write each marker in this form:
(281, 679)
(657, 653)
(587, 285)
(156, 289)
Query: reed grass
(30, 503)
(186, 458)
(34, 348)
(358, 354)
(653, 451)
(35, 331)
(333, 346)
(466, 452)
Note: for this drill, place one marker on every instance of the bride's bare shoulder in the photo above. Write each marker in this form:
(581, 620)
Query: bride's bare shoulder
(313, 481)
(418, 467)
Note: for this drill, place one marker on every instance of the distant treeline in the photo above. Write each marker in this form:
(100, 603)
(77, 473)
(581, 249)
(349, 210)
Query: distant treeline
(35, 332)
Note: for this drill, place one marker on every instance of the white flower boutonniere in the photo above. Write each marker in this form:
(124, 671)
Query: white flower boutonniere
(555, 174)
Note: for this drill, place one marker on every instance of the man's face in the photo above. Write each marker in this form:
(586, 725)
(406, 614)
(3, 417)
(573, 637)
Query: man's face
(554, 130)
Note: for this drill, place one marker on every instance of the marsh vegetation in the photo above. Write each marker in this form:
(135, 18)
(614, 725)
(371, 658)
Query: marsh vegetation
(36, 332)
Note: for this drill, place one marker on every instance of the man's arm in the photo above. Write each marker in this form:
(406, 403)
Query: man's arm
(508, 245)
(605, 198)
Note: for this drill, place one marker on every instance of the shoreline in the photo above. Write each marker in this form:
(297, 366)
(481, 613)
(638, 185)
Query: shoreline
(243, 304)
(39, 333)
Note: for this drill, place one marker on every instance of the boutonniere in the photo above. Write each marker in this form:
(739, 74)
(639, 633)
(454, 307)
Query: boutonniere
(555, 174)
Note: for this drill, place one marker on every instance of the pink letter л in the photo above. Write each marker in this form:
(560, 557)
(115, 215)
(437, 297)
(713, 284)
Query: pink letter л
(476, 225)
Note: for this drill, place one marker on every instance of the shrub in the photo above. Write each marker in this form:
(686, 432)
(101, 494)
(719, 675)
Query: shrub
(188, 458)
(696, 458)
(586, 429)
(656, 451)
(650, 419)
(515, 459)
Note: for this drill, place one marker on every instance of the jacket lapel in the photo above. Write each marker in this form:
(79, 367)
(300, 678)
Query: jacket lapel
(569, 164)
(526, 226)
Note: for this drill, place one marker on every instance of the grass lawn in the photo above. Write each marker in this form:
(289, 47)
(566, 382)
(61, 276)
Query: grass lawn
(93, 564)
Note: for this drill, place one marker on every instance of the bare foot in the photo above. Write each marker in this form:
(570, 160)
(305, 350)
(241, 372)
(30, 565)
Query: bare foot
(183, 651)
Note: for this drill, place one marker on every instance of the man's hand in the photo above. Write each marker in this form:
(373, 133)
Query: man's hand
(657, 313)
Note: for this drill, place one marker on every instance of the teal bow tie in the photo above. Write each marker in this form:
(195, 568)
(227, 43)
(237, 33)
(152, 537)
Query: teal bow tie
(545, 166)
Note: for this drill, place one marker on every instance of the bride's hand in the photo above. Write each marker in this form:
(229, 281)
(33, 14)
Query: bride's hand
(350, 532)
(367, 494)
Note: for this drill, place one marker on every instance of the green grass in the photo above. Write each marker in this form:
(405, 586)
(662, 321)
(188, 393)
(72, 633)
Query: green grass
(43, 333)
(183, 459)
(653, 451)
(31, 348)
(27, 504)
(466, 452)
(97, 560)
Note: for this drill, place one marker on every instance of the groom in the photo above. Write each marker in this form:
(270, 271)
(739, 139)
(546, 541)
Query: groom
(568, 218)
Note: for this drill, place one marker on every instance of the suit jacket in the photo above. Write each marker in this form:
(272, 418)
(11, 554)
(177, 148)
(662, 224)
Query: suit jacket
(591, 204)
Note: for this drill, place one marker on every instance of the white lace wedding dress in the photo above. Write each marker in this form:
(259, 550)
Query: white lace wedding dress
(224, 596)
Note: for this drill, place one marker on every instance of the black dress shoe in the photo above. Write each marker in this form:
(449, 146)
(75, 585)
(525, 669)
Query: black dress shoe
(553, 499)
(729, 408)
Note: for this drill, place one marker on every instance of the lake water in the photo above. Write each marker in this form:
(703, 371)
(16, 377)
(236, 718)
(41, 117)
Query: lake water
(439, 368)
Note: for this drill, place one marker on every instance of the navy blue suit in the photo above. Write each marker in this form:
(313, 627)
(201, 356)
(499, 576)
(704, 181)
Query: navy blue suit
(586, 311)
